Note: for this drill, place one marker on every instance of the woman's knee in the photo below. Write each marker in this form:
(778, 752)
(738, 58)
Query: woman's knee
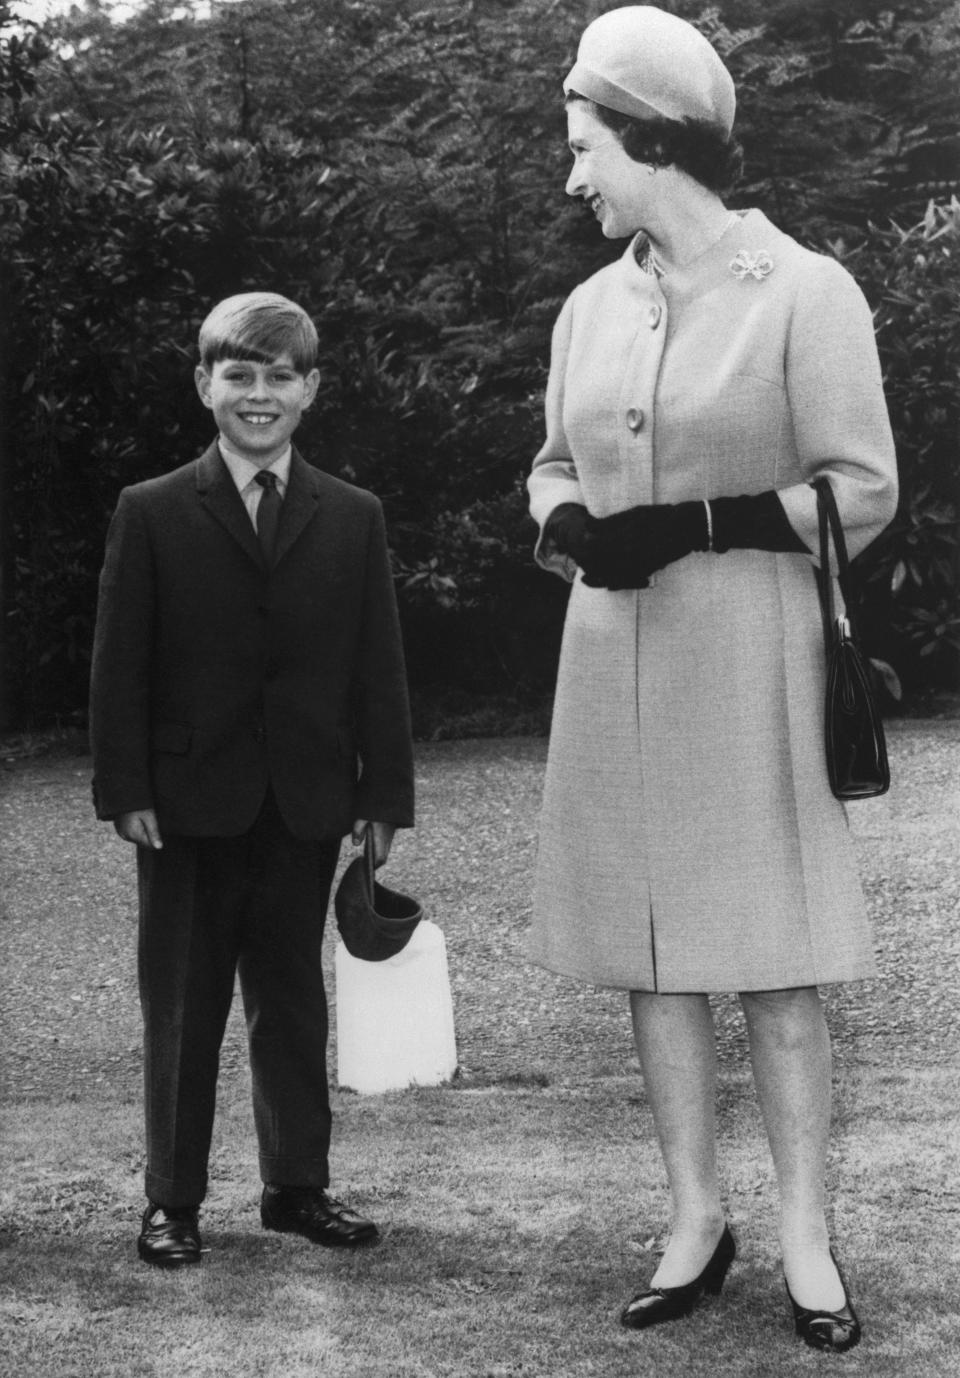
(792, 1015)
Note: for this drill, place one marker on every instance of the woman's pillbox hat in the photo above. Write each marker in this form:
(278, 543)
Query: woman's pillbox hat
(641, 61)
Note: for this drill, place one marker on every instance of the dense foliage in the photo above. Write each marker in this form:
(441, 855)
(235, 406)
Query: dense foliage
(399, 170)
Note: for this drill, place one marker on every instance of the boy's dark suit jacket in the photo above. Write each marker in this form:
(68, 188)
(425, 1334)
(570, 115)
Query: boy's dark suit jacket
(212, 674)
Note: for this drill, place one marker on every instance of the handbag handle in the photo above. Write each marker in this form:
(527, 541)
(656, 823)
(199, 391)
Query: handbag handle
(369, 859)
(829, 521)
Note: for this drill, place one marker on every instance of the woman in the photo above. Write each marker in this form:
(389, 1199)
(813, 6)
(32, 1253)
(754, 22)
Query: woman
(689, 840)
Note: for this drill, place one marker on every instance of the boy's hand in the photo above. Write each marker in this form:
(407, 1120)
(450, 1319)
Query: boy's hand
(139, 827)
(382, 838)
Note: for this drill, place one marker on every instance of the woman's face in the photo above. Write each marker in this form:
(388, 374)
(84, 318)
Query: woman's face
(615, 187)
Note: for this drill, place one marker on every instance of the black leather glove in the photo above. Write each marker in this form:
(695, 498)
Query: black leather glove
(629, 546)
(568, 529)
(757, 522)
(623, 550)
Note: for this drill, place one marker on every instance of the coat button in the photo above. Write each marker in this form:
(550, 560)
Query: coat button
(635, 419)
(260, 733)
(655, 313)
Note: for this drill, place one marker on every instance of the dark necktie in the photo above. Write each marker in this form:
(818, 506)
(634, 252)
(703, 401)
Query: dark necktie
(268, 513)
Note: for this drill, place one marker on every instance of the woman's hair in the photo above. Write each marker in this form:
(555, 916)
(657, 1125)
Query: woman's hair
(259, 327)
(703, 151)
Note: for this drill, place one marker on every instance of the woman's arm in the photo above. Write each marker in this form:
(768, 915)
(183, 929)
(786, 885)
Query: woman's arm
(838, 409)
(841, 429)
(553, 479)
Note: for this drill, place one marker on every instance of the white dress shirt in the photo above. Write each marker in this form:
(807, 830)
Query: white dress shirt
(244, 475)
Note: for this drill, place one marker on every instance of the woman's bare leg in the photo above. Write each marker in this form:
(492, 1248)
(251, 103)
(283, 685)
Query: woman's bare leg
(790, 1051)
(677, 1047)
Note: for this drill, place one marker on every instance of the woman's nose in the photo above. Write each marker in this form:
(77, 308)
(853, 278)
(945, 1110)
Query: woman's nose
(576, 183)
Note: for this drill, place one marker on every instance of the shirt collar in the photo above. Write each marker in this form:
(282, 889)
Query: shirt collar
(243, 472)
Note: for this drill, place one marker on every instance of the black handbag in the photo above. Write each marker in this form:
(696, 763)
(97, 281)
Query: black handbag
(375, 923)
(853, 730)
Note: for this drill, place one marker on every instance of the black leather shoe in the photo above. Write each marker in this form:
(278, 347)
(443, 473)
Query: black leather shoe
(670, 1303)
(832, 1330)
(169, 1236)
(311, 1212)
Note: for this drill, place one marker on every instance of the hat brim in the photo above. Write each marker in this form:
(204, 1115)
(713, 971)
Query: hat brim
(373, 928)
(591, 85)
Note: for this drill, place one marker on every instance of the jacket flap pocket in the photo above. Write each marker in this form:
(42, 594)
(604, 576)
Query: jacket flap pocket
(173, 737)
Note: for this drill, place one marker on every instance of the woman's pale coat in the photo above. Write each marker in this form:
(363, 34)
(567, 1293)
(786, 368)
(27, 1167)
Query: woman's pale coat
(689, 840)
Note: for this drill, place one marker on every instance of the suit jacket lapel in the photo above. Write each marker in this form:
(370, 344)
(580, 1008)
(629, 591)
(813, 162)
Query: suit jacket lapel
(218, 493)
(300, 505)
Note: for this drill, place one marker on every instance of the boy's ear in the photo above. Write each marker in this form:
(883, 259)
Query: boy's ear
(311, 384)
(202, 379)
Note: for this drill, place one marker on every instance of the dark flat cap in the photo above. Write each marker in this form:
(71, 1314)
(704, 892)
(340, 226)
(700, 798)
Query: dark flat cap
(375, 923)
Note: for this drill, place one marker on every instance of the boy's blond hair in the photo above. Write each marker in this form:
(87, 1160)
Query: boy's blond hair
(259, 327)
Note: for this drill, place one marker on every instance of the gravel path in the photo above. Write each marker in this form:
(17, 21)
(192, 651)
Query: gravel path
(69, 1019)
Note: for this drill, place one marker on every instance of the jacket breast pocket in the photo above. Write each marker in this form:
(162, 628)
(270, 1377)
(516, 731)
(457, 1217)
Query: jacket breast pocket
(171, 738)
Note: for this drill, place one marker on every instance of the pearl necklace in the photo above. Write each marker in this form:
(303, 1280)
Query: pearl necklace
(650, 263)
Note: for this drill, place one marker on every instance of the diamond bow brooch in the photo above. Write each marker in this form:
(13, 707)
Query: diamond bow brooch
(759, 265)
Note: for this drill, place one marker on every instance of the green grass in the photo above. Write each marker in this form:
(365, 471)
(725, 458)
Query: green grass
(515, 1222)
(520, 1206)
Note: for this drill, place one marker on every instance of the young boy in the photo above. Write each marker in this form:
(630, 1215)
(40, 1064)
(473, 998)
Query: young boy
(248, 708)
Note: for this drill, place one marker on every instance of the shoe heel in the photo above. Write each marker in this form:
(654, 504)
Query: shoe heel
(715, 1273)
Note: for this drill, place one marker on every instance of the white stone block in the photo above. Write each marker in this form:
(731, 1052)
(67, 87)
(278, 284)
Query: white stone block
(395, 1018)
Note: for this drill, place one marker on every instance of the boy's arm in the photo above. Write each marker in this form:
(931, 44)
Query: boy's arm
(120, 672)
(381, 706)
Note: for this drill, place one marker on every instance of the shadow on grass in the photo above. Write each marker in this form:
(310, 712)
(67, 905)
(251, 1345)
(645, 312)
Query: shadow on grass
(515, 1225)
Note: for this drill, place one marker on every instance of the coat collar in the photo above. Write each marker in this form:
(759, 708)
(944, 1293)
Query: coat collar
(218, 493)
(752, 234)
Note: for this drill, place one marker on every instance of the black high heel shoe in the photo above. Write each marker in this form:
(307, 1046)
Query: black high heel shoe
(670, 1303)
(832, 1330)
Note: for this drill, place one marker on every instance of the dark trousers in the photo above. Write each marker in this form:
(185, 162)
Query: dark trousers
(212, 908)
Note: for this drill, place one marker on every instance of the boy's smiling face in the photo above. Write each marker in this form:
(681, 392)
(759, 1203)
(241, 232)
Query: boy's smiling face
(257, 406)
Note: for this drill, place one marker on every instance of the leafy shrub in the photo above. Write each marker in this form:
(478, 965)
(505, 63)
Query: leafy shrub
(114, 248)
(411, 197)
(912, 575)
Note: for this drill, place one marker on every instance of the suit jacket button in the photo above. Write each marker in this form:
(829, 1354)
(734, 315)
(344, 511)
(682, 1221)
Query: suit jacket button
(260, 733)
(635, 419)
(655, 314)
